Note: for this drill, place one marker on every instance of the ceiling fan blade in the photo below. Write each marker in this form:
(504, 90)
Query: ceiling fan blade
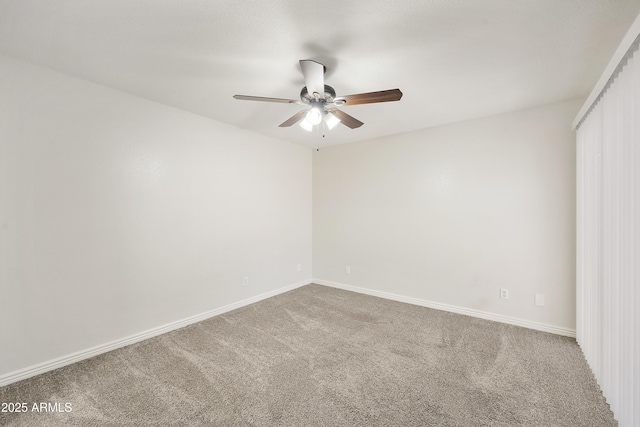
(264, 99)
(346, 119)
(313, 76)
(294, 119)
(370, 97)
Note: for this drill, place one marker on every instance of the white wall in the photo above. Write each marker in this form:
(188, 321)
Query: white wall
(452, 214)
(118, 215)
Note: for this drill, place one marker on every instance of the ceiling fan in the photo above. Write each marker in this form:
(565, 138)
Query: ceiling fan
(323, 101)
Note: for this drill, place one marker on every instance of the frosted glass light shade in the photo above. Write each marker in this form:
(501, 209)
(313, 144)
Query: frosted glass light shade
(314, 116)
(306, 125)
(331, 120)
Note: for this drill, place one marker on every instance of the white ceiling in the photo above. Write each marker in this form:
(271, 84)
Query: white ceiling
(453, 60)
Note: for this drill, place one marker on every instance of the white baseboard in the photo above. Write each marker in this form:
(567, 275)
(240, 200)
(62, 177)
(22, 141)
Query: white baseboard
(453, 308)
(50, 365)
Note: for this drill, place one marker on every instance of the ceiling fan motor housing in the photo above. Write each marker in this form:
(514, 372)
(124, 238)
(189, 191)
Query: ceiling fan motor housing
(307, 98)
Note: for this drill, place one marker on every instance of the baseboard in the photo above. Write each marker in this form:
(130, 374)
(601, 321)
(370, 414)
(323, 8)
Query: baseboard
(453, 308)
(41, 368)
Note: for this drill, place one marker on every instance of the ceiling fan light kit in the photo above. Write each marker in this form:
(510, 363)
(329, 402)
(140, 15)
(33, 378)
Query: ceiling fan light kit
(315, 116)
(323, 100)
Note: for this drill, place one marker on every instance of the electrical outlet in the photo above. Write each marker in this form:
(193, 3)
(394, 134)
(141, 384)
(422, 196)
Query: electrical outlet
(299, 267)
(540, 300)
(245, 281)
(347, 269)
(504, 293)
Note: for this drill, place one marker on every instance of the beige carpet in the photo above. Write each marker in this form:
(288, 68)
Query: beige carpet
(319, 356)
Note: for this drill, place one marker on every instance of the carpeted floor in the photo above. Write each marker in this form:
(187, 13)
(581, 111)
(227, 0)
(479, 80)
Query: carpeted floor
(319, 356)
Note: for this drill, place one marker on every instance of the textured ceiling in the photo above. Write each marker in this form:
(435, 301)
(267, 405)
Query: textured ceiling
(453, 60)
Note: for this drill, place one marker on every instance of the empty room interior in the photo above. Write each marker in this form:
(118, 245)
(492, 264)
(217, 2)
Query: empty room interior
(292, 213)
